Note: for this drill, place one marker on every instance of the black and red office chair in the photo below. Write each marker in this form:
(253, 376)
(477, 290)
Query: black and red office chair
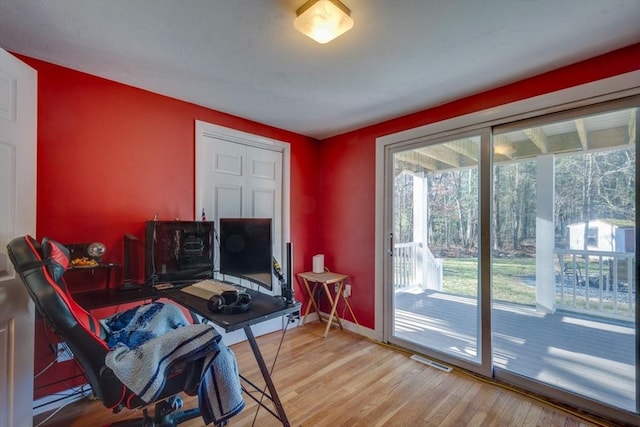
(84, 335)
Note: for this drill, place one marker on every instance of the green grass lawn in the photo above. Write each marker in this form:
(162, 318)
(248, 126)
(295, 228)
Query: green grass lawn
(509, 278)
(513, 281)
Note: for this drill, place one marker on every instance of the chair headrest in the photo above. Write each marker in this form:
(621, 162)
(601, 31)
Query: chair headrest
(57, 256)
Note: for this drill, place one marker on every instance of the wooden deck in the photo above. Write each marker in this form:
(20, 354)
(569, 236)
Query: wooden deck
(586, 355)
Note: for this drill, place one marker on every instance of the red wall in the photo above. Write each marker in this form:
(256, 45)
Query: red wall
(110, 156)
(348, 165)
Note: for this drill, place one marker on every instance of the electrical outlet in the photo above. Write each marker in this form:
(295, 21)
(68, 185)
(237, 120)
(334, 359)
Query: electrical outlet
(336, 288)
(63, 352)
(293, 317)
(347, 291)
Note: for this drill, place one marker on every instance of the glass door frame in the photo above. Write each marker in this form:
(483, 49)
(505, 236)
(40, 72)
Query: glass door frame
(555, 393)
(484, 366)
(614, 90)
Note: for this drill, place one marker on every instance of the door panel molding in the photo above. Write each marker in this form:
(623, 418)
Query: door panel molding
(18, 139)
(251, 174)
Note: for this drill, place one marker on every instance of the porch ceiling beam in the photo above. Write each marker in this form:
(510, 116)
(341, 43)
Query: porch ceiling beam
(441, 154)
(465, 147)
(399, 168)
(608, 138)
(582, 133)
(415, 158)
(410, 168)
(503, 147)
(538, 137)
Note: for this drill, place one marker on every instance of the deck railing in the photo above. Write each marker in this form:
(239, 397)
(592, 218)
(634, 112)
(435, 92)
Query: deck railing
(405, 265)
(596, 281)
(415, 265)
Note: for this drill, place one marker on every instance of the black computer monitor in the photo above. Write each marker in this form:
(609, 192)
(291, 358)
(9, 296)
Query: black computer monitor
(246, 249)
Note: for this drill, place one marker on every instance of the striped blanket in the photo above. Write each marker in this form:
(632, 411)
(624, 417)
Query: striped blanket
(148, 341)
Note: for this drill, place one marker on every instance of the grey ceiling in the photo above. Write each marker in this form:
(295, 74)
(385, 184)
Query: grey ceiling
(245, 58)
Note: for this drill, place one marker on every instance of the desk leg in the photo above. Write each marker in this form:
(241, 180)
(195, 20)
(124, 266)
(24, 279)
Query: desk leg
(267, 376)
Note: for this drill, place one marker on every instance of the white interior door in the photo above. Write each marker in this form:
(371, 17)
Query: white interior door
(241, 175)
(243, 182)
(18, 121)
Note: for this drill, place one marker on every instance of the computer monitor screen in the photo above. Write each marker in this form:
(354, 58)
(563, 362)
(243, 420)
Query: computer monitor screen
(178, 251)
(246, 249)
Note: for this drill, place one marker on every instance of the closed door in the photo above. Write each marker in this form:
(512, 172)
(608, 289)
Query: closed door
(242, 181)
(18, 87)
(243, 175)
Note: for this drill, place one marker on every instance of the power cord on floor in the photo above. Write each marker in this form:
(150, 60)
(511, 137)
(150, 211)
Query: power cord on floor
(53, 362)
(54, 413)
(81, 390)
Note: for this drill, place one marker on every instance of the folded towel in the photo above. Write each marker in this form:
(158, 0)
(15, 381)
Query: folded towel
(138, 325)
(220, 392)
(148, 341)
(144, 369)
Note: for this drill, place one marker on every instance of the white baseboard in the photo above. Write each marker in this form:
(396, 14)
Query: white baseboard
(349, 326)
(361, 330)
(54, 401)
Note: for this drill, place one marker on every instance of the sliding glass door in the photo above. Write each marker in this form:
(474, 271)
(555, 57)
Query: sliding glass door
(564, 253)
(434, 246)
(512, 251)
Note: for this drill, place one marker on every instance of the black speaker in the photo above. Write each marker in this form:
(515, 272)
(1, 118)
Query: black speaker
(230, 302)
(287, 287)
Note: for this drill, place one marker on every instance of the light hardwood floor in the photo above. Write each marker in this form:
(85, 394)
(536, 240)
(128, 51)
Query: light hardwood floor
(348, 380)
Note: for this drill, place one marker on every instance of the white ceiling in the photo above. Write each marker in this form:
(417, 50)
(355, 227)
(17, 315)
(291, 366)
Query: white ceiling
(244, 57)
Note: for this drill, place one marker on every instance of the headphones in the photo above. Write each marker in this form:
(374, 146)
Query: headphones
(230, 302)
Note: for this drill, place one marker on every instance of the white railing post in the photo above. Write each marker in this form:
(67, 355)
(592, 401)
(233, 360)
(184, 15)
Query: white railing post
(615, 292)
(415, 265)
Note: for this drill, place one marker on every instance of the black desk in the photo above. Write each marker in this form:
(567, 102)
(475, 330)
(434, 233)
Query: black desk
(108, 267)
(90, 300)
(263, 307)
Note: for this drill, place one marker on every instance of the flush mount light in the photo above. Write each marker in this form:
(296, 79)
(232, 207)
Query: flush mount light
(323, 20)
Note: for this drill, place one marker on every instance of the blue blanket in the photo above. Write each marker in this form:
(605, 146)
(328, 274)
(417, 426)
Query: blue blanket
(148, 341)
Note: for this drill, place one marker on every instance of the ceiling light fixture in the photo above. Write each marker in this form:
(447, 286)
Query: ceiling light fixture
(323, 20)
